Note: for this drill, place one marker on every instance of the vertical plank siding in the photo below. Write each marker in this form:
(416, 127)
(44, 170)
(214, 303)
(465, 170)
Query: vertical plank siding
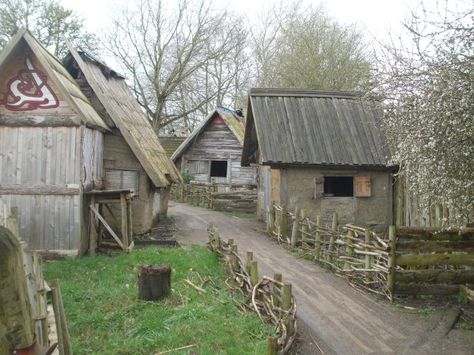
(37, 158)
(92, 157)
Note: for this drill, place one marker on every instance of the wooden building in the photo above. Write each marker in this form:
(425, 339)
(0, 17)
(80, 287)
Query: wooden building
(133, 156)
(213, 151)
(322, 151)
(52, 148)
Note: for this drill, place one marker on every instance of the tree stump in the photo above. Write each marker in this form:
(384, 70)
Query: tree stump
(154, 281)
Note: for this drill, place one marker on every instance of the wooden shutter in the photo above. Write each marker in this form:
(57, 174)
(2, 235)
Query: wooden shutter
(363, 186)
(121, 179)
(318, 187)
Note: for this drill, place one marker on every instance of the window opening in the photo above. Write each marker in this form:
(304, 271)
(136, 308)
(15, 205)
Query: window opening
(218, 168)
(338, 186)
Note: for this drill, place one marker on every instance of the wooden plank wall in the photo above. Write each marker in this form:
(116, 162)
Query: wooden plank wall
(217, 142)
(92, 157)
(40, 174)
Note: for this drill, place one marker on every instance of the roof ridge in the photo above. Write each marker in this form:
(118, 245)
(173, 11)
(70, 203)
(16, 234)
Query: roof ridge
(295, 92)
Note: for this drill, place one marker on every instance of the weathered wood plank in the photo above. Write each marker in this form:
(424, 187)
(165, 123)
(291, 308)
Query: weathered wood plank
(434, 259)
(38, 190)
(435, 276)
(425, 289)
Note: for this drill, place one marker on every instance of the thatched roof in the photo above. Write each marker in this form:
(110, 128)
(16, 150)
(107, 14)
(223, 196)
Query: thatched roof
(310, 127)
(58, 75)
(230, 118)
(171, 143)
(127, 115)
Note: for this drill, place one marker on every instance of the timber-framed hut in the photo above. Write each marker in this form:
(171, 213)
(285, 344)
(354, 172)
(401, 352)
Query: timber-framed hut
(133, 156)
(212, 153)
(322, 151)
(52, 154)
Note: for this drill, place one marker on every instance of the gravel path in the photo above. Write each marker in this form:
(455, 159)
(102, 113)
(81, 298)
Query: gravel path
(332, 314)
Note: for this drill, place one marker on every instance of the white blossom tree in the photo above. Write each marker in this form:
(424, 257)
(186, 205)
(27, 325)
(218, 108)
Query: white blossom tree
(428, 89)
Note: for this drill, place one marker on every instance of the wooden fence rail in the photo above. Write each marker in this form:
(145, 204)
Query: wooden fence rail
(406, 262)
(270, 298)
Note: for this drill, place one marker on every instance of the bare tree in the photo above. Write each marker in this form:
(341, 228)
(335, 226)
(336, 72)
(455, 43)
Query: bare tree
(429, 93)
(177, 56)
(304, 47)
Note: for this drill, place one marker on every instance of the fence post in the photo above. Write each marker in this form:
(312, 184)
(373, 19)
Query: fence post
(295, 228)
(368, 258)
(349, 250)
(235, 261)
(272, 346)
(253, 272)
(304, 227)
(317, 238)
(271, 221)
(329, 256)
(284, 223)
(277, 290)
(392, 235)
(286, 302)
(249, 259)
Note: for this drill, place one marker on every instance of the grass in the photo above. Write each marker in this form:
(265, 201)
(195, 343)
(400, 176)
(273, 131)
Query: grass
(243, 215)
(105, 317)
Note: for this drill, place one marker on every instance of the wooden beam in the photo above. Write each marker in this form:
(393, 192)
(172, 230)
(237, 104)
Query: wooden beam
(38, 190)
(434, 259)
(110, 230)
(124, 220)
(437, 276)
(92, 230)
(39, 121)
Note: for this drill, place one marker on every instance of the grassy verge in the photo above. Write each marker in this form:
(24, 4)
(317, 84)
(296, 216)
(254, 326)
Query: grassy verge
(105, 317)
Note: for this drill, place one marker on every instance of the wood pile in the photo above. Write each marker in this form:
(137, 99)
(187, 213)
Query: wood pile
(270, 298)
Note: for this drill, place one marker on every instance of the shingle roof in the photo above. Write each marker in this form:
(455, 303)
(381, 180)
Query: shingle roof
(309, 127)
(60, 76)
(230, 119)
(171, 143)
(126, 114)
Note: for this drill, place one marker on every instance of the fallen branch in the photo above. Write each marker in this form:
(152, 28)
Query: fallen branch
(176, 349)
(197, 288)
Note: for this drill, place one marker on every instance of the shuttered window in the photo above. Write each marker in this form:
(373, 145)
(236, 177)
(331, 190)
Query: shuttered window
(363, 186)
(197, 166)
(121, 179)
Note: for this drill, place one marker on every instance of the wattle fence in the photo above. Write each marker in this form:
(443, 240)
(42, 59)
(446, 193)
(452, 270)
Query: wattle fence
(407, 261)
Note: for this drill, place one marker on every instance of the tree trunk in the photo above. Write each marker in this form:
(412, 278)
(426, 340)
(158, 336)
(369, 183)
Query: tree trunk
(154, 281)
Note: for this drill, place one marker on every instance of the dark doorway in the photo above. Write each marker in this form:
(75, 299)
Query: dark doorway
(338, 186)
(218, 168)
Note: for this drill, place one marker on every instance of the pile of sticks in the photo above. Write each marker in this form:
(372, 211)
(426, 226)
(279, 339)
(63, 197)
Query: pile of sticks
(270, 298)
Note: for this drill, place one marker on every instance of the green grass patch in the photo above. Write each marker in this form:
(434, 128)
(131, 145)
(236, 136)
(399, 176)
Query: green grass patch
(243, 215)
(105, 316)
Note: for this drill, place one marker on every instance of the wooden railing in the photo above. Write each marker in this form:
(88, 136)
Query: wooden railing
(407, 261)
(270, 298)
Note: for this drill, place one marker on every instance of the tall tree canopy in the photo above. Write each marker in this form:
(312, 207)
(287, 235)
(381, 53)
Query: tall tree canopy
(182, 57)
(429, 94)
(305, 47)
(48, 21)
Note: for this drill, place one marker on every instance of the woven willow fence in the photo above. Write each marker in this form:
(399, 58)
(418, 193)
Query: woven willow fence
(270, 298)
(411, 261)
(356, 253)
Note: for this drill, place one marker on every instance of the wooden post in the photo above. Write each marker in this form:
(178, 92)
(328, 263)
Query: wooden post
(329, 256)
(93, 230)
(230, 241)
(124, 220)
(154, 281)
(317, 238)
(271, 221)
(286, 302)
(349, 249)
(295, 228)
(272, 346)
(304, 226)
(392, 235)
(64, 340)
(277, 290)
(249, 260)
(235, 262)
(368, 258)
(253, 272)
(284, 223)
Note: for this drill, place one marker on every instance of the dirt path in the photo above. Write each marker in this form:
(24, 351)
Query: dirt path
(339, 318)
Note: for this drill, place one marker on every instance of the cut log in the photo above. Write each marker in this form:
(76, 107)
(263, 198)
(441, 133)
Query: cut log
(154, 281)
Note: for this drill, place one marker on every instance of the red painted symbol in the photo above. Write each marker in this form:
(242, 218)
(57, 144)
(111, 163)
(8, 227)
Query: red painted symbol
(29, 91)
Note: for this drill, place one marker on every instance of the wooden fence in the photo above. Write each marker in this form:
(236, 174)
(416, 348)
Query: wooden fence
(242, 199)
(404, 262)
(270, 298)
